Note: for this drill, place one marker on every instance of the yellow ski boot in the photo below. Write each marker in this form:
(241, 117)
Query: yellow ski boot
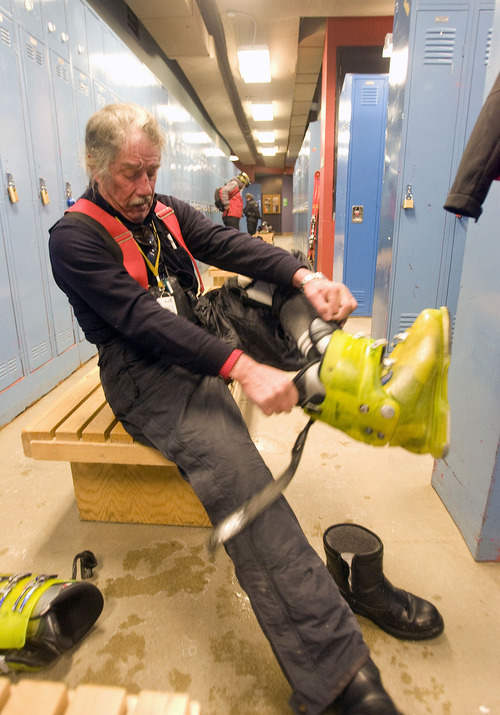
(401, 401)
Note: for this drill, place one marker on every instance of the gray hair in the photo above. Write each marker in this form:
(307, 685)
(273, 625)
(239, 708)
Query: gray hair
(107, 131)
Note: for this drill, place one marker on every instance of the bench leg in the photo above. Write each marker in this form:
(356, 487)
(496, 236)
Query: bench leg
(137, 494)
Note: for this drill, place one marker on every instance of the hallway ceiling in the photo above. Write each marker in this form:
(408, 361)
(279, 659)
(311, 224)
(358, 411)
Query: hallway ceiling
(202, 36)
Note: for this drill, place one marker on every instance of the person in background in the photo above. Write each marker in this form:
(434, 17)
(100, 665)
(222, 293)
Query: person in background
(252, 213)
(230, 195)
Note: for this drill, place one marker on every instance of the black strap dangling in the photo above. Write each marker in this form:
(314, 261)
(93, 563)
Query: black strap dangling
(88, 562)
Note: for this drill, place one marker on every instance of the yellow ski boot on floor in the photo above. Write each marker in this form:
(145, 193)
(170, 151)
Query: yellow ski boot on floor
(401, 401)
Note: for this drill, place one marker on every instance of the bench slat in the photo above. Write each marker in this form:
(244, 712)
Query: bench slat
(72, 427)
(99, 452)
(119, 435)
(100, 426)
(46, 426)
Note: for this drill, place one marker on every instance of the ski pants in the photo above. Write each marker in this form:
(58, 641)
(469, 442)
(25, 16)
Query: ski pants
(194, 421)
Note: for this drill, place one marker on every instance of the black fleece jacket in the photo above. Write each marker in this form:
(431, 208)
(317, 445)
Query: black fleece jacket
(480, 163)
(108, 303)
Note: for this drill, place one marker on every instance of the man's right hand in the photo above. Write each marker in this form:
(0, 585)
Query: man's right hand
(269, 388)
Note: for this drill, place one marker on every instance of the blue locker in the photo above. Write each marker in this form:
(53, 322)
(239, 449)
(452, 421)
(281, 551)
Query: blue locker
(22, 246)
(420, 251)
(47, 182)
(56, 29)
(51, 83)
(10, 359)
(78, 48)
(360, 164)
(29, 15)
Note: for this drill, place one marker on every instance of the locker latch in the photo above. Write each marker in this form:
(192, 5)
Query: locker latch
(44, 194)
(357, 214)
(408, 199)
(11, 189)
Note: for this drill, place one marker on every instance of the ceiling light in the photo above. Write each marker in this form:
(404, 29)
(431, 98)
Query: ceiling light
(269, 151)
(265, 137)
(233, 157)
(255, 64)
(262, 112)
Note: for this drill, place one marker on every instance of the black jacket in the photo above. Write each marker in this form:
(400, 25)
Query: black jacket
(252, 209)
(480, 163)
(108, 303)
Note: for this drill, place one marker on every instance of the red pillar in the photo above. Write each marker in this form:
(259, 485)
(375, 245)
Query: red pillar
(340, 32)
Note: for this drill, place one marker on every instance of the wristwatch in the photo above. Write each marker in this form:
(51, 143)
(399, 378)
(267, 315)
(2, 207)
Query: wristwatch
(310, 277)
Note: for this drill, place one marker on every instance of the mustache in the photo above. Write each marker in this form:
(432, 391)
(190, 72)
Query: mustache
(141, 202)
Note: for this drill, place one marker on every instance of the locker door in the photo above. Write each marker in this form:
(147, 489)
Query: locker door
(24, 261)
(46, 175)
(56, 31)
(434, 87)
(457, 227)
(10, 360)
(29, 15)
(78, 48)
(364, 186)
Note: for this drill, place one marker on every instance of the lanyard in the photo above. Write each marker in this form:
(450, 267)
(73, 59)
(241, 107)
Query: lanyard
(154, 268)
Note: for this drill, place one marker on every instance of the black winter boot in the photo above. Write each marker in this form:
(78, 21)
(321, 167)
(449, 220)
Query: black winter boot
(365, 695)
(354, 558)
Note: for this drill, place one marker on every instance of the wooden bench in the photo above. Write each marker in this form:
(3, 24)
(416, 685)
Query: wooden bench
(268, 237)
(115, 478)
(219, 276)
(51, 698)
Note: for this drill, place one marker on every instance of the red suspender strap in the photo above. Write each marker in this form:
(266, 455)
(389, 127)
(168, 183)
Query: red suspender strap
(132, 259)
(167, 215)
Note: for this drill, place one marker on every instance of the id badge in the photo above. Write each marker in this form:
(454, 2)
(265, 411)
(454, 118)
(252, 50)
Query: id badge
(168, 302)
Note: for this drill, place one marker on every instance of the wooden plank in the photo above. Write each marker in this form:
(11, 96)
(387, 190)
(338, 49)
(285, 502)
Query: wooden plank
(152, 703)
(134, 494)
(73, 426)
(40, 697)
(4, 691)
(97, 700)
(119, 435)
(105, 452)
(47, 424)
(194, 707)
(100, 426)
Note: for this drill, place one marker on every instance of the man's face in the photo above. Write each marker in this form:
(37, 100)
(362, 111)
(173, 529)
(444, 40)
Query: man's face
(130, 186)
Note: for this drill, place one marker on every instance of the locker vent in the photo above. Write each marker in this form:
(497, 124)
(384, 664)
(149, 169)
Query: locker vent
(5, 35)
(406, 320)
(38, 352)
(83, 87)
(439, 46)
(62, 72)
(487, 54)
(8, 368)
(34, 54)
(369, 96)
(100, 98)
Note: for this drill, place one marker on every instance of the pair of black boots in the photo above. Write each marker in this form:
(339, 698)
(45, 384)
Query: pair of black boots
(354, 558)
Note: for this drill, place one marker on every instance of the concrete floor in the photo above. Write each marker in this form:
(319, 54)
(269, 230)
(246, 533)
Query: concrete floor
(175, 620)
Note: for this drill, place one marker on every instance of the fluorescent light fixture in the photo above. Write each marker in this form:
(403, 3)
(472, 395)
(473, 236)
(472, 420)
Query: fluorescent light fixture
(233, 157)
(265, 137)
(387, 51)
(255, 64)
(262, 112)
(269, 151)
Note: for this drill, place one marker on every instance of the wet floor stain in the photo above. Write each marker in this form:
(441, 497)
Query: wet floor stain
(171, 569)
(179, 682)
(261, 685)
(120, 660)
